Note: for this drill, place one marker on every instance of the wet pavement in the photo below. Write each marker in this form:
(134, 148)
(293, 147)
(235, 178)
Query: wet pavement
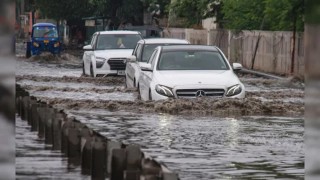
(210, 147)
(249, 142)
(36, 160)
(7, 149)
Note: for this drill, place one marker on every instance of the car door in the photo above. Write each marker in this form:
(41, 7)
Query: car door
(131, 67)
(87, 55)
(147, 76)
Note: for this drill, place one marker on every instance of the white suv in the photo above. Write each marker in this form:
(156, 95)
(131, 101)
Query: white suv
(141, 55)
(107, 52)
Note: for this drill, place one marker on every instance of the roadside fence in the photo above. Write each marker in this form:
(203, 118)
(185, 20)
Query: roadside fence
(268, 51)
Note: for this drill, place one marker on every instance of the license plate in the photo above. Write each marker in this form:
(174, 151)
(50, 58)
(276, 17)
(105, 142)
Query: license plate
(122, 73)
(46, 41)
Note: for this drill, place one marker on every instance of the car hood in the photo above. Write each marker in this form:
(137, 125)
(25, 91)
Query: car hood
(118, 53)
(185, 78)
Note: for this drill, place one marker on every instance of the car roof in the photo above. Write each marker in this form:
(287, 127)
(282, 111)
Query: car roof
(163, 40)
(189, 47)
(44, 24)
(118, 32)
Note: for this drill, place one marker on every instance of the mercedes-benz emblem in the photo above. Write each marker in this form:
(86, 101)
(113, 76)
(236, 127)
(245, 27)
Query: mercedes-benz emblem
(200, 93)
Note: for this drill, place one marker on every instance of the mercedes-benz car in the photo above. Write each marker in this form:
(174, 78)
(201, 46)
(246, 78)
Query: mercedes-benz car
(189, 71)
(141, 55)
(108, 50)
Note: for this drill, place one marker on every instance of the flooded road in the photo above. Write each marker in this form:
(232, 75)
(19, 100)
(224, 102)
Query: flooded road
(35, 160)
(258, 137)
(210, 147)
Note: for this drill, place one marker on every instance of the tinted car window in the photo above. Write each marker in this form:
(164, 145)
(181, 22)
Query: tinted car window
(117, 41)
(192, 60)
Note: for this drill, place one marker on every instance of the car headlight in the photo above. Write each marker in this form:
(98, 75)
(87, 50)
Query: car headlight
(165, 91)
(100, 62)
(35, 44)
(100, 59)
(234, 90)
(56, 44)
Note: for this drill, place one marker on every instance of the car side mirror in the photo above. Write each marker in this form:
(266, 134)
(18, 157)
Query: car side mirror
(87, 48)
(236, 67)
(145, 67)
(132, 58)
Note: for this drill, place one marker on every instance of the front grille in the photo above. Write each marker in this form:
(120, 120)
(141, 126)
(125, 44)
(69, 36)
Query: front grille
(200, 92)
(117, 64)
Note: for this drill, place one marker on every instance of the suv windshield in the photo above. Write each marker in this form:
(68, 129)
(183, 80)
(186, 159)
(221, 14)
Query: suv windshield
(192, 60)
(44, 31)
(117, 41)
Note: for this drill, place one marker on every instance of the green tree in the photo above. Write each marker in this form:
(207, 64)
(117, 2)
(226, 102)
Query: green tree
(194, 11)
(263, 14)
(284, 14)
(62, 9)
(243, 14)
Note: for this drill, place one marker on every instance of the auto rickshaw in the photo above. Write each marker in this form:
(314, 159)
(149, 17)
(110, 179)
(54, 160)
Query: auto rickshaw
(44, 38)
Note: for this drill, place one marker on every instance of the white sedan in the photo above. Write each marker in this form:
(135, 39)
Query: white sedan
(107, 52)
(189, 71)
(142, 54)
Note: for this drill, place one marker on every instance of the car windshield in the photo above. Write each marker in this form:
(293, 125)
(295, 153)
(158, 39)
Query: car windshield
(149, 48)
(117, 41)
(192, 60)
(45, 31)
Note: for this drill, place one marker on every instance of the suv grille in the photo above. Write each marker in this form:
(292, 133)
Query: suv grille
(200, 92)
(117, 64)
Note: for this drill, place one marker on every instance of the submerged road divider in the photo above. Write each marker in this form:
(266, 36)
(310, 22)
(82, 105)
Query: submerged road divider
(97, 156)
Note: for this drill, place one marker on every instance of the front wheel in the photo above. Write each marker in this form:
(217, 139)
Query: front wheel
(139, 93)
(91, 71)
(83, 70)
(150, 95)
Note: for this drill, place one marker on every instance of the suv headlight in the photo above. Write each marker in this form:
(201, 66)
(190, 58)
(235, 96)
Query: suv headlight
(99, 62)
(100, 59)
(234, 90)
(165, 91)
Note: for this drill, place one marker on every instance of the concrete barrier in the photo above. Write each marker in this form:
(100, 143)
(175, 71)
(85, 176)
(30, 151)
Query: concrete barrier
(48, 130)
(86, 149)
(99, 160)
(98, 156)
(56, 132)
(118, 164)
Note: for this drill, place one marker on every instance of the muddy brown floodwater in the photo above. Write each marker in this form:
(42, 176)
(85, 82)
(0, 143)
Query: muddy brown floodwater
(260, 136)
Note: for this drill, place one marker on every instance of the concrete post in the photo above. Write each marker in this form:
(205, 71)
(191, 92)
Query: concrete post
(110, 146)
(98, 170)
(74, 149)
(30, 118)
(132, 175)
(64, 136)
(48, 132)
(134, 155)
(74, 145)
(86, 149)
(56, 133)
(25, 107)
(18, 105)
(41, 125)
(118, 164)
(35, 117)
